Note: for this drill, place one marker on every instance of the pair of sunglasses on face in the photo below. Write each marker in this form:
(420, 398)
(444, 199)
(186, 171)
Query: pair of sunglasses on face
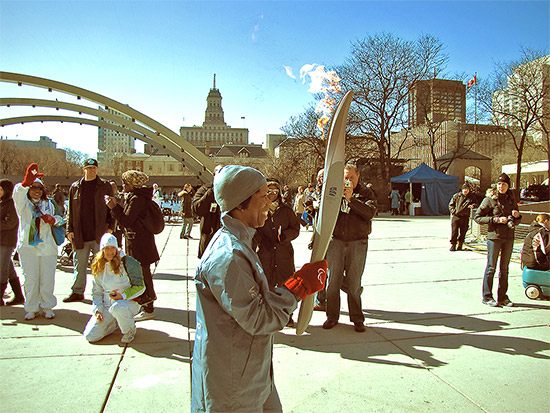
(272, 191)
(37, 187)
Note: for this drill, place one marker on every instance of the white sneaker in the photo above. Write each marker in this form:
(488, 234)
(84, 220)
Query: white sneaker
(49, 314)
(144, 315)
(30, 316)
(129, 336)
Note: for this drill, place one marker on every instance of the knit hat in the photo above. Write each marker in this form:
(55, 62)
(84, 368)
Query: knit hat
(504, 178)
(135, 178)
(234, 184)
(465, 185)
(89, 162)
(108, 240)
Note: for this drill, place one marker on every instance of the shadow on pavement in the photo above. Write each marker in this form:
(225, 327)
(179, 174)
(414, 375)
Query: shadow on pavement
(381, 340)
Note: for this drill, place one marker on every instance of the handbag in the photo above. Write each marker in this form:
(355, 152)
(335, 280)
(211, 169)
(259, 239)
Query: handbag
(58, 233)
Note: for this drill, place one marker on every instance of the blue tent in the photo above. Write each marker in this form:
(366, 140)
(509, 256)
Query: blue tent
(437, 188)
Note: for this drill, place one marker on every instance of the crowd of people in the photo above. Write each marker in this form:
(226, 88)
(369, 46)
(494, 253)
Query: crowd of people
(247, 284)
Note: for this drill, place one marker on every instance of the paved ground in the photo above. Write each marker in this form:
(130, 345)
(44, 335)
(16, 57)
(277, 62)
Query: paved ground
(430, 345)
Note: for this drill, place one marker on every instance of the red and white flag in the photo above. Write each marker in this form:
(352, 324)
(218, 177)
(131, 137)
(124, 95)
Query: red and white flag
(472, 82)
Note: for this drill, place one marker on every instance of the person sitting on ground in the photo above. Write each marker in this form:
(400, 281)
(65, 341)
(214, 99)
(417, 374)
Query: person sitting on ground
(535, 253)
(117, 282)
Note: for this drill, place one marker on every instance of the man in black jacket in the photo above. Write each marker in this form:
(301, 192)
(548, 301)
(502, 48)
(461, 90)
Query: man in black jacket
(88, 218)
(347, 252)
(205, 206)
(460, 206)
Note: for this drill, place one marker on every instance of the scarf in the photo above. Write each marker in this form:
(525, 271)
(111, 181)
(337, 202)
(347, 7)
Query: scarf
(34, 231)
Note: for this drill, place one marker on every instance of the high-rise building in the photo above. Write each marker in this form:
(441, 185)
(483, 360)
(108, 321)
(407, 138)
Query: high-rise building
(527, 96)
(214, 131)
(437, 100)
(112, 144)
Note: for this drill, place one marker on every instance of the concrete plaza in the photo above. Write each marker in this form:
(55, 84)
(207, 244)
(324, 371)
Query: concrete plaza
(430, 344)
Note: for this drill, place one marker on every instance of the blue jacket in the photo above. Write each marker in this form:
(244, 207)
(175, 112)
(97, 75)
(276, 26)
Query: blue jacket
(237, 316)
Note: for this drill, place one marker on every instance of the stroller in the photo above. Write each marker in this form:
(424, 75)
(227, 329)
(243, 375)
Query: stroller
(66, 257)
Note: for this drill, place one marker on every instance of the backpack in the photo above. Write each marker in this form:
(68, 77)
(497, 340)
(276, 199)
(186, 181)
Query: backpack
(153, 221)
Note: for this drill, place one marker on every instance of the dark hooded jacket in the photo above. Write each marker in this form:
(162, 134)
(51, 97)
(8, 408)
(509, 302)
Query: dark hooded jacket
(9, 223)
(274, 244)
(205, 207)
(496, 205)
(140, 242)
(536, 259)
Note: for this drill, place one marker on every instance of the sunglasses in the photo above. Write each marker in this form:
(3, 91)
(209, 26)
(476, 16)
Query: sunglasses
(37, 187)
(272, 191)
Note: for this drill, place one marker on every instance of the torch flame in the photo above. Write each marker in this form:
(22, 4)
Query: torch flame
(324, 82)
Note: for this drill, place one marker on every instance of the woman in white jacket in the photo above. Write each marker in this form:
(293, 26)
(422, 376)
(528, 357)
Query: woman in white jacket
(36, 245)
(117, 281)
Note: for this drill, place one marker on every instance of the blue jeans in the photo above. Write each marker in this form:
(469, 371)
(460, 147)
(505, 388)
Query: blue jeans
(349, 258)
(7, 271)
(494, 248)
(80, 259)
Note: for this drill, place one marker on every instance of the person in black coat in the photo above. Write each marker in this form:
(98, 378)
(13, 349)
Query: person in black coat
(499, 211)
(460, 206)
(204, 206)
(535, 253)
(140, 242)
(9, 225)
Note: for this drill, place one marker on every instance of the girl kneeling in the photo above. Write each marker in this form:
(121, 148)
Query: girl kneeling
(115, 286)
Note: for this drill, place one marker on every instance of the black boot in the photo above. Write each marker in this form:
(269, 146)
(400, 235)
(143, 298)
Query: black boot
(3, 287)
(459, 247)
(453, 247)
(18, 297)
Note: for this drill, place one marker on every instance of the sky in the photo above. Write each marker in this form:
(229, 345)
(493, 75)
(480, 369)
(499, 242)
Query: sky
(159, 57)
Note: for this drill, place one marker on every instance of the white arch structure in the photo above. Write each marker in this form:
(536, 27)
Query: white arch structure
(139, 125)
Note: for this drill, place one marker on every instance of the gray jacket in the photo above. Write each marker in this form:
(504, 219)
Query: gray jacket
(237, 316)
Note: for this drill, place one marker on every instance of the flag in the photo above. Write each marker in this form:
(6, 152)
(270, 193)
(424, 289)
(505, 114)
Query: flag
(472, 82)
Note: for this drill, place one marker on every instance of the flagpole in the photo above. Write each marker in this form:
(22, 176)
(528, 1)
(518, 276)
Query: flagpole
(475, 108)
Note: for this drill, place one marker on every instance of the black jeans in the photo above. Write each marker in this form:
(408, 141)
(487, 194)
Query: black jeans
(459, 227)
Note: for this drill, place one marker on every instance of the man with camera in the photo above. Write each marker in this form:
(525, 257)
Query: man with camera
(347, 251)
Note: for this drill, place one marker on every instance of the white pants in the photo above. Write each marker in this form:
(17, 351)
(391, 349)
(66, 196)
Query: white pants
(120, 312)
(39, 274)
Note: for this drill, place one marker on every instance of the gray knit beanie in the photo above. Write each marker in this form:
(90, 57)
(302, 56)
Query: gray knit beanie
(234, 184)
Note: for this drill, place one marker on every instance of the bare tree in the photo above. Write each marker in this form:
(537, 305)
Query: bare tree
(516, 94)
(381, 70)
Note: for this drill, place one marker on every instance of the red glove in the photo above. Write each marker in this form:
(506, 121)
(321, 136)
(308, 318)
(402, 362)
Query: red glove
(308, 280)
(31, 175)
(48, 219)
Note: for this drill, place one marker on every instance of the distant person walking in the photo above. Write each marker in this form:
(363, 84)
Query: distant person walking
(499, 210)
(87, 220)
(186, 196)
(395, 199)
(460, 206)
(9, 225)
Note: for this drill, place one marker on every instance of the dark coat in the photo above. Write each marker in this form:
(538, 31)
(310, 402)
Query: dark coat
(356, 224)
(203, 205)
(9, 223)
(140, 243)
(186, 204)
(496, 205)
(103, 218)
(536, 259)
(277, 257)
(460, 204)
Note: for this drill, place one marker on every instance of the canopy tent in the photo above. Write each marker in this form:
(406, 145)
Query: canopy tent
(437, 188)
